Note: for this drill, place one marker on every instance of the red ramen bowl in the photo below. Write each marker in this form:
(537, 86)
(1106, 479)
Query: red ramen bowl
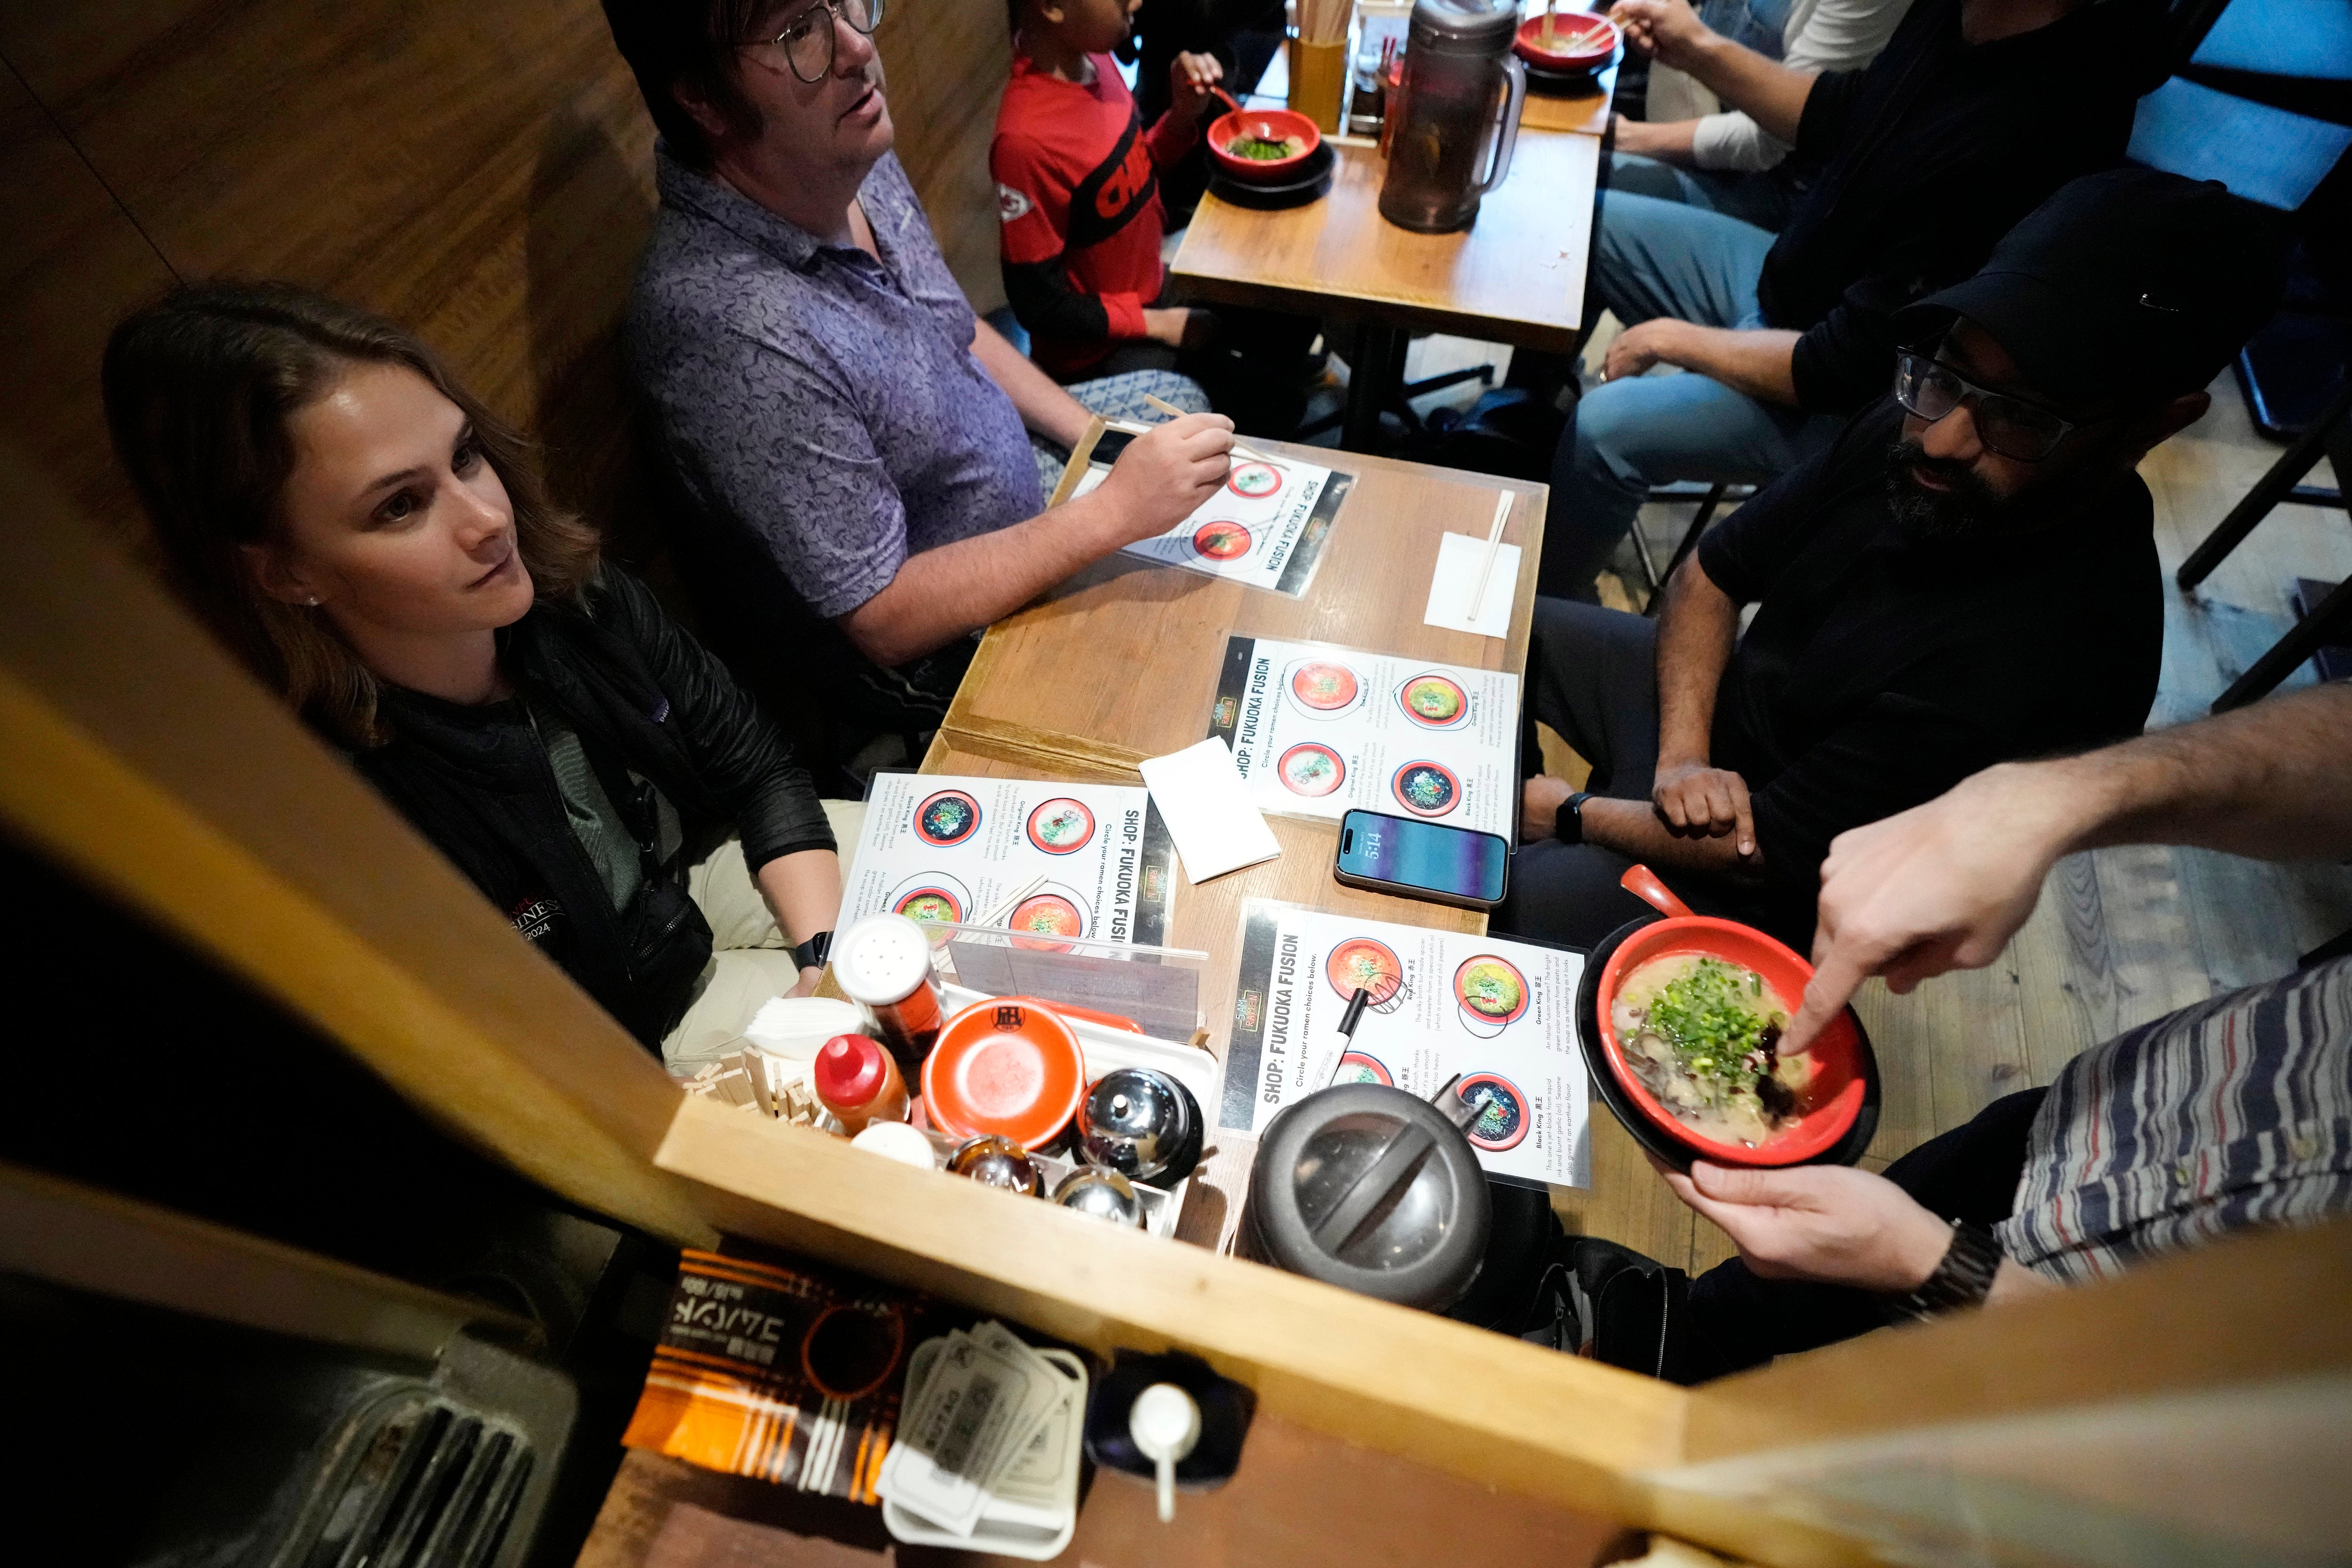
(1271, 124)
(1840, 1082)
(1579, 42)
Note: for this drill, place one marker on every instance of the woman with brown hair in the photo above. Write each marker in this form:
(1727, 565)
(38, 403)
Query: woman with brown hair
(377, 547)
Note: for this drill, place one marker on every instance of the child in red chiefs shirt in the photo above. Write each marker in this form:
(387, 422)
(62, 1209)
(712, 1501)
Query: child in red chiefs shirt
(1077, 186)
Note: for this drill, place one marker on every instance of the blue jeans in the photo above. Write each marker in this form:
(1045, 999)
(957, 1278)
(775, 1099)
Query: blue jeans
(1758, 198)
(1665, 258)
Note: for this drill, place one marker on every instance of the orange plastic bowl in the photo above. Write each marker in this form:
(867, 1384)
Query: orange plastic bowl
(1241, 122)
(1838, 1088)
(1008, 1065)
(1581, 42)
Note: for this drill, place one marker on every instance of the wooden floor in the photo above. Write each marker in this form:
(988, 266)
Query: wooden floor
(2121, 936)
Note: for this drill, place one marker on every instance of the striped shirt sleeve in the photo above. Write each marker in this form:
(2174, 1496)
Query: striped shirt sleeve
(2234, 1113)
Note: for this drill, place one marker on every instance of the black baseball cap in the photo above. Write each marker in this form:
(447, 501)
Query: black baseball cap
(2130, 283)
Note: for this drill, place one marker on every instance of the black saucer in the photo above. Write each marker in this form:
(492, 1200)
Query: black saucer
(1310, 180)
(1554, 83)
(1656, 1139)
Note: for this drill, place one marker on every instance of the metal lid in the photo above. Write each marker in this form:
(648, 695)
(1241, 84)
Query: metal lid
(1105, 1194)
(1135, 1121)
(1462, 26)
(1371, 1188)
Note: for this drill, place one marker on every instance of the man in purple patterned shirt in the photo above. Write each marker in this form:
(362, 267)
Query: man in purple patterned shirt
(849, 442)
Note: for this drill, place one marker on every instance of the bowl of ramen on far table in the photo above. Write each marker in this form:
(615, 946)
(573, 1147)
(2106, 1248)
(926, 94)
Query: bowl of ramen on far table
(1258, 146)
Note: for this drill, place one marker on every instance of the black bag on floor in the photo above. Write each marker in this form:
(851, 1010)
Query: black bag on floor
(1597, 1299)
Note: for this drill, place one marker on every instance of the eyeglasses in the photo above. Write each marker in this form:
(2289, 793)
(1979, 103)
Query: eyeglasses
(2009, 425)
(806, 42)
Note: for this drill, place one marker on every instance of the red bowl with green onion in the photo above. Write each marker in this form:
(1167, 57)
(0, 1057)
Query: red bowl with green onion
(1842, 1067)
(1262, 125)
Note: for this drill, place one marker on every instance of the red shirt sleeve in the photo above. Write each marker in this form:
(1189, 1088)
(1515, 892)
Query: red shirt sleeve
(1171, 139)
(1032, 199)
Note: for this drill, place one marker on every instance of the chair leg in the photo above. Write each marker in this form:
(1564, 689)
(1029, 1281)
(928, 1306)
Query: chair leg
(2269, 490)
(1483, 374)
(1649, 567)
(1699, 520)
(2329, 619)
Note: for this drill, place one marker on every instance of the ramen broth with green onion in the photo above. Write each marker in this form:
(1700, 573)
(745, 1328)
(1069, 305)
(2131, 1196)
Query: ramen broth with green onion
(1266, 149)
(1703, 1036)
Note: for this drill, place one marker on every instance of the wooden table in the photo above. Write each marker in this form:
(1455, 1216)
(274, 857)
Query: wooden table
(1515, 276)
(1120, 663)
(1584, 113)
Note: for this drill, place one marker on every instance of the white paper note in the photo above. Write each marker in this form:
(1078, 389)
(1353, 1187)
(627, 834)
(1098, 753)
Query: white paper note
(1200, 795)
(1459, 559)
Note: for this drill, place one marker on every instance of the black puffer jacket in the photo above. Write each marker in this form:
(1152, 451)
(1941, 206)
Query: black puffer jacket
(681, 751)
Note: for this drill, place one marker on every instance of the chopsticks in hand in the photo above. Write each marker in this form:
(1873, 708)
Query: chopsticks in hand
(1172, 412)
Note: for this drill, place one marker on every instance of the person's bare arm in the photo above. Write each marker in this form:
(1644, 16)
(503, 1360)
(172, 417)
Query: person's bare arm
(1944, 885)
(1758, 360)
(1694, 799)
(803, 893)
(1668, 140)
(941, 595)
(1044, 406)
(1634, 827)
(1698, 816)
(1772, 94)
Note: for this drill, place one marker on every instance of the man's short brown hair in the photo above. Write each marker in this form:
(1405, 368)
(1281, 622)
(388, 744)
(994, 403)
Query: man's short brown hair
(692, 43)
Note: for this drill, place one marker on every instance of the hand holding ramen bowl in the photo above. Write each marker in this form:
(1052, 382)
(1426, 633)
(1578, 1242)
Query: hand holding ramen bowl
(1688, 1012)
(1257, 146)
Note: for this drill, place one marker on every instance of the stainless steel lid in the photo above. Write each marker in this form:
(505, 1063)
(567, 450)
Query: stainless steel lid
(1137, 1122)
(1370, 1189)
(1105, 1194)
(1462, 26)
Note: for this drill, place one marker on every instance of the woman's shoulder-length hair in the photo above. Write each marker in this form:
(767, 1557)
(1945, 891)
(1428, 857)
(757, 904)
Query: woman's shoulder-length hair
(199, 388)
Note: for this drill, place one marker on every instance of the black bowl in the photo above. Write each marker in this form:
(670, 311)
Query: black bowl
(1553, 83)
(1655, 1139)
(1309, 180)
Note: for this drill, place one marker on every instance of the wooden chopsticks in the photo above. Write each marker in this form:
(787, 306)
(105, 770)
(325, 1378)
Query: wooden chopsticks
(1172, 412)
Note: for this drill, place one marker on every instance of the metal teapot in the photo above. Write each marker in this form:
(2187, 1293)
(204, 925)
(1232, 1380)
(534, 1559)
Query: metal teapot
(1443, 117)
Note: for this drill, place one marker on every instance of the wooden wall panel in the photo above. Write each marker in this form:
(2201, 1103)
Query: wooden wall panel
(71, 260)
(946, 62)
(481, 172)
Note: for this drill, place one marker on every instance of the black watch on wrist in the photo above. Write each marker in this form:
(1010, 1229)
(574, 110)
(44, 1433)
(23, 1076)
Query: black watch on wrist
(812, 954)
(1963, 1279)
(1568, 827)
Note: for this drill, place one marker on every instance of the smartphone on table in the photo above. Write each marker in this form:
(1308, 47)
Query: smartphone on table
(1415, 859)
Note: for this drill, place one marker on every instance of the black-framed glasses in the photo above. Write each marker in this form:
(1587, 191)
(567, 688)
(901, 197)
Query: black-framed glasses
(806, 41)
(2009, 425)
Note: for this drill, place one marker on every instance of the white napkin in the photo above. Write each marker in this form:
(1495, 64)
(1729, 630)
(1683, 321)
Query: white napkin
(1459, 556)
(1207, 807)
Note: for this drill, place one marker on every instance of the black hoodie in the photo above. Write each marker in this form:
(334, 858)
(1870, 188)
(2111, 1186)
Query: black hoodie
(684, 755)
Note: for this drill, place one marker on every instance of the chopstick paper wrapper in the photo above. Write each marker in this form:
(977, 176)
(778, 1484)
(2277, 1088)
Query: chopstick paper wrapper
(1208, 810)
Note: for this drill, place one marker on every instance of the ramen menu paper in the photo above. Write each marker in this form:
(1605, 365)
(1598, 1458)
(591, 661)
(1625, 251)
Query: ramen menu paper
(1265, 528)
(1317, 729)
(1500, 1013)
(1092, 861)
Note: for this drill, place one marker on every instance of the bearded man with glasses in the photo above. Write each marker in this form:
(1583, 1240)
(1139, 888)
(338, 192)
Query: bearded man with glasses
(1966, 575)
(855, 491)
